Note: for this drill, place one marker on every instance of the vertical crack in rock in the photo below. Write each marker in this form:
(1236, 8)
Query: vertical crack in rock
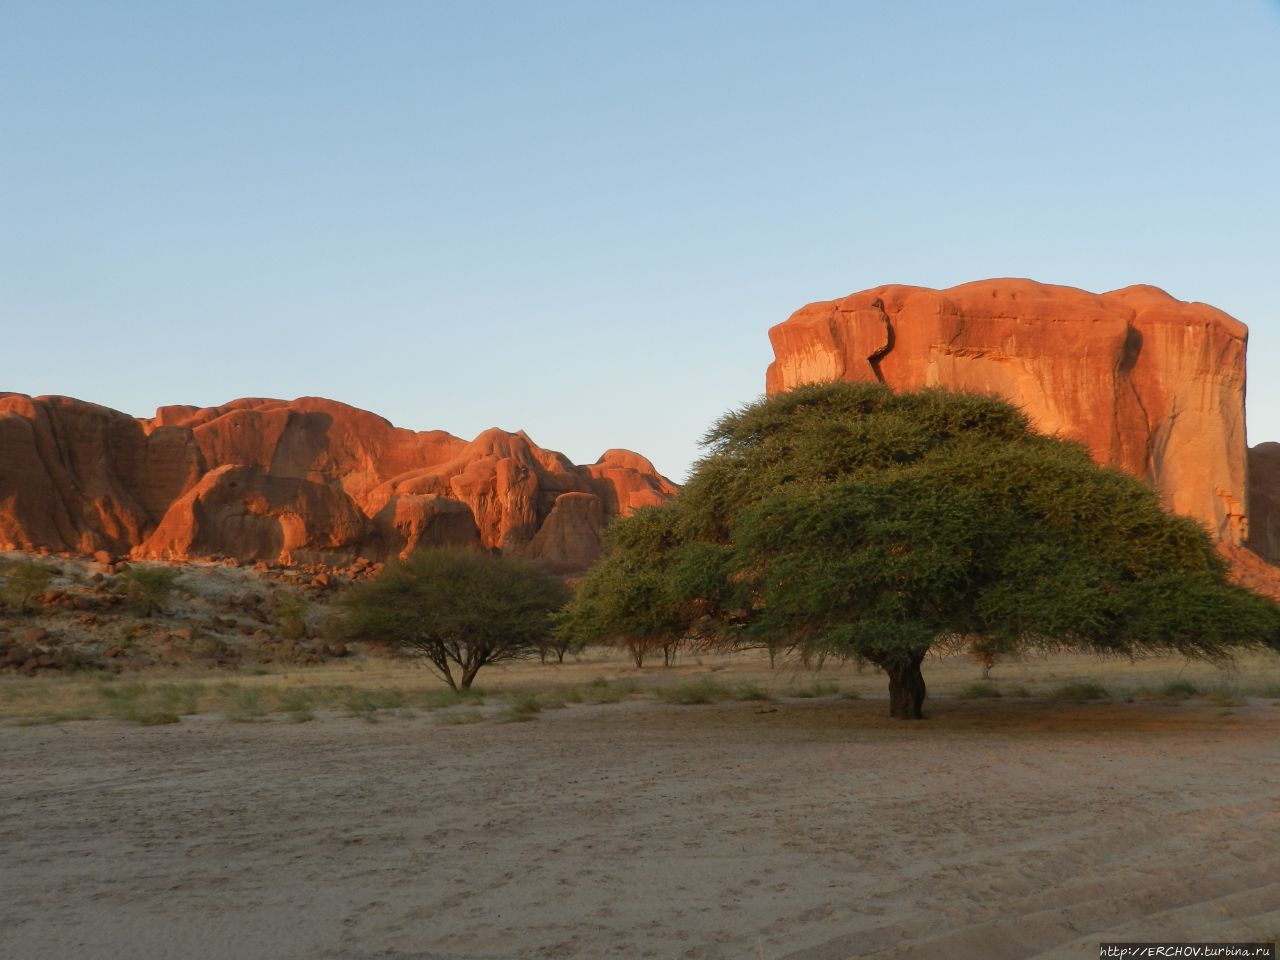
(1132, 350)
(875, 358)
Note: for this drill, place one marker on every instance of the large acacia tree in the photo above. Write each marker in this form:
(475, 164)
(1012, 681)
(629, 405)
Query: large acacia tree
(850, 518)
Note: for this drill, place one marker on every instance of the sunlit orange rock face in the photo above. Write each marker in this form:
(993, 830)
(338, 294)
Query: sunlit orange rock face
(302, 481)
(1148, 383)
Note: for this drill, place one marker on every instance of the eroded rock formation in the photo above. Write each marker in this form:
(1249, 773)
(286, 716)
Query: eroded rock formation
(303, 481)
(1264, 501)
(1148, 383)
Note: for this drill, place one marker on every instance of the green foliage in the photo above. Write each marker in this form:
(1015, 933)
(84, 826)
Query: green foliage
(291, 616)
(147, 589)
(24, 581)
(749, 691)
(244, 704)
(693, 692)
(1180, 689)
(603, 690)
(298, 704)
(461, 609)
(874, 524)
(1078, 691)
(440, 699)
(650, 591)
(819, 688)
(709, 691)
(981, 690)
(522, 707)
(141, 704)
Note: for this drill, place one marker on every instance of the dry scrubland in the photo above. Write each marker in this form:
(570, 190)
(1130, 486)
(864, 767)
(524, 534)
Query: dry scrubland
(785, 818)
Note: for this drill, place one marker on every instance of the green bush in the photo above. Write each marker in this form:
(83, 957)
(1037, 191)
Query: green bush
(521, 707)
(1078, 691)
(748, 691)
(602, 690)
(147, 589)
(819, 688)
(24, 581)
(291, 616)
(244, 705)
(981, 690)
(1180, 690)
(693, 692)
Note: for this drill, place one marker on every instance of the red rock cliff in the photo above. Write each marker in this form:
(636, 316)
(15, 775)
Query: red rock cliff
(1148, 383)
(308, 480)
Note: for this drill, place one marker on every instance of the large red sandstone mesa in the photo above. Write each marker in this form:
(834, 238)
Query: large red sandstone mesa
(1148, 383)
(302, 481)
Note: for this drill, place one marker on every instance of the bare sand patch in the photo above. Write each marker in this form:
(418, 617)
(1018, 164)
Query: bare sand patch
(809, 829)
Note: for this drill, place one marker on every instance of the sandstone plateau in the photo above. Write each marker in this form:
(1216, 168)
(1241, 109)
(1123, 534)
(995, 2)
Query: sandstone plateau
(1150, 384)
(303, 481)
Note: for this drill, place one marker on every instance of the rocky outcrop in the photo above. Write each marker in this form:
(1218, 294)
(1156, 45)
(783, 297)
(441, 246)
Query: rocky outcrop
(1149, 384)
(248, 513)
(300, 481)
(410, 521)
(77, 476)
(1264, 501)
(571, 534)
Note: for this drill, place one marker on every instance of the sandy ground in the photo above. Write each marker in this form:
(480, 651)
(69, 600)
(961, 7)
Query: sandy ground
(807, 830)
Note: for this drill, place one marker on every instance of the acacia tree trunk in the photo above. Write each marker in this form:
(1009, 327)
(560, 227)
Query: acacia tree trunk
(906, 686)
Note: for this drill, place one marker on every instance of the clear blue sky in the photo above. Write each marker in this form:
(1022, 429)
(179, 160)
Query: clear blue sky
(580, 219)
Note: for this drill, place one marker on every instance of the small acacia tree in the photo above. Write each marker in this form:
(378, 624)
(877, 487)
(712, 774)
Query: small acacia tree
(849, 518)
(460, 609)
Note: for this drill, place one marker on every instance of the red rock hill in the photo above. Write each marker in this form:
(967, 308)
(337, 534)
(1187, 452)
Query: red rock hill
(1148, 383)
(308, 480)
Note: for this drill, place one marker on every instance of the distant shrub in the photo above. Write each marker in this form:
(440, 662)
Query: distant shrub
(24, 581)
(244, 705)
(298, 705)
(748, 691)
(1180, 690)
(458, 717)
(1078, 691)
(982, 690)
(129, 702)
(180, 698)
(291, 616)
(602, 690)
(820, 688)
(521, 707)
(694, 692)
(441, 699)
(147, 589)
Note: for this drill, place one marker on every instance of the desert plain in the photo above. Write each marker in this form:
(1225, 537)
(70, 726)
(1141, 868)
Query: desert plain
(785, 818)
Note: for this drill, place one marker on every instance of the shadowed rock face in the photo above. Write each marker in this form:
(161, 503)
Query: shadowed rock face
(1264, 501)
(308, 480)
(1149, 384)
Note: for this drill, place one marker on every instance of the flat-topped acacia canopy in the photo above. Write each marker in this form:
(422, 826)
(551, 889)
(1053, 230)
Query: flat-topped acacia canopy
(851, 518)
